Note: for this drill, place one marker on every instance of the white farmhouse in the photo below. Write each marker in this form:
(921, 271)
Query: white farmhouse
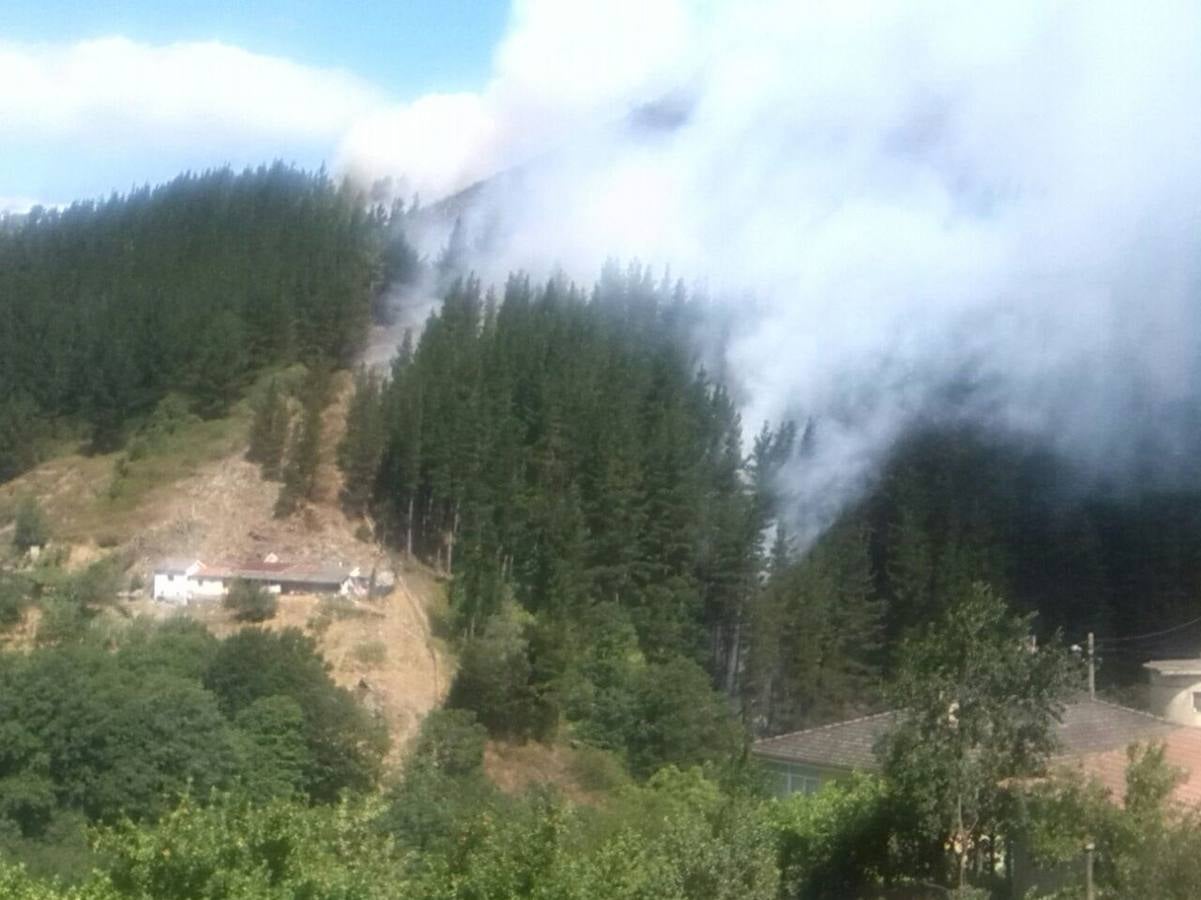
(187, 580)
(182, 580)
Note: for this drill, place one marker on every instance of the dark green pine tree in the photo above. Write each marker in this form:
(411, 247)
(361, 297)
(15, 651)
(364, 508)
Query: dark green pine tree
(910, 562)
(219, 365)
(190, 287)
(304, 452)
(269, 431)
(21, 431)
(362, 445)
(818, 634)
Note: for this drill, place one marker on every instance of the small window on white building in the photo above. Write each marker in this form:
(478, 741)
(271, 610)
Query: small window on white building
(1197, 701)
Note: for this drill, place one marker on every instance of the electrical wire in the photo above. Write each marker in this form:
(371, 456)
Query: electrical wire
(1148, 635)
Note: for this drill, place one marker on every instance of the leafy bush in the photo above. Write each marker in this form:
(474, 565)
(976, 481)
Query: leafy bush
(451, 741)
(444, 791)
(31, 528)
(14, 597)
(249, 602)
(1145, 848)
(345, 743)
(835, 843)
(96, 585)
(63, 621)
(232, 848)
(598, 770)
(496, 679)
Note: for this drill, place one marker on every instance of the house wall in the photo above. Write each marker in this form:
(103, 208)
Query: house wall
(206, 588)
(799, 778)
(170, 587)
(1176, 697)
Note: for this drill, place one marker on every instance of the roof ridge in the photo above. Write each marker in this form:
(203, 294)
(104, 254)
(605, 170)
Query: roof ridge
(888, 712)
(828, 725)
(1141, 712)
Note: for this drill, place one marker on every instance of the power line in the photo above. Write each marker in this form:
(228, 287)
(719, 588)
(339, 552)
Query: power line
(1150, 634)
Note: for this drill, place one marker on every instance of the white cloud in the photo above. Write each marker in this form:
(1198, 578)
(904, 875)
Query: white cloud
(562, 67)
(438, 143)
(128, 95)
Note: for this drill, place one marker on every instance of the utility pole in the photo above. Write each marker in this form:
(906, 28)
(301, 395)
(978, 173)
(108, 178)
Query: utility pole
(1088, 871)
(1092, 673)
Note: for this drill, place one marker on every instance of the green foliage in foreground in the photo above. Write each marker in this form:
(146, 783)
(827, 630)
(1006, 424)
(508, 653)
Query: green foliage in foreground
(979, 705)
(697, 844)
(1146, 848)
(105, 733)
(445, 832)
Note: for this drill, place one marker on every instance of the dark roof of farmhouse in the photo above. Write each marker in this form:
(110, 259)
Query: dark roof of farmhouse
(260, 570)
(1088, 726)
(844, 745)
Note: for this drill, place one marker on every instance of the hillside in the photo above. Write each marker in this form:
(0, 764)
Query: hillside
(195, 495)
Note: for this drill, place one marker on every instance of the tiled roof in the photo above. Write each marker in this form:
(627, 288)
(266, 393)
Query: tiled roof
(1182, 750)
(1088, 727)
(257, 570)
(845, 745)
(1174, 666)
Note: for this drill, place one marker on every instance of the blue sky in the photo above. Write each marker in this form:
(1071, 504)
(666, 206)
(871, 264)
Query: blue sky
(84, 125)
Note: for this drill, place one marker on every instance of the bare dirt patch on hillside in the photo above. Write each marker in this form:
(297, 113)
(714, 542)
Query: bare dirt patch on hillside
(205, 501)
(226, 510)
(516, 767)
(381, 649)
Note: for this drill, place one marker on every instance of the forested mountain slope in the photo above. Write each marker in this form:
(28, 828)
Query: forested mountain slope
(189, 287)
(566, 455)
(565, 448)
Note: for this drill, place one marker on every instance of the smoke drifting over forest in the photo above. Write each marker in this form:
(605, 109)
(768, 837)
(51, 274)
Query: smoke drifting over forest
(943, 211)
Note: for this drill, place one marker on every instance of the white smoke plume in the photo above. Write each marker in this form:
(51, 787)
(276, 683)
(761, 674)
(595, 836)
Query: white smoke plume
(983, 209)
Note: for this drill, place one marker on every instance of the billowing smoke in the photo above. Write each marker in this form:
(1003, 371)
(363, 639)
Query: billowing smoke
(942, 210)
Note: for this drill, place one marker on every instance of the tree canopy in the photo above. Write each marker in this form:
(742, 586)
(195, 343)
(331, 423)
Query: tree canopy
(190, 286)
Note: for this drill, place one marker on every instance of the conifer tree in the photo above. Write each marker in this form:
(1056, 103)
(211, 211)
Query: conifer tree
(269, 431)
(362, 445)
(189, 287)
(304, 451)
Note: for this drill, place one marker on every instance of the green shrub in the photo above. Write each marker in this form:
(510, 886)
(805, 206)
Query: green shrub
(31, 529)
(597, 770)
(835, 843)
(14, 597)
(62, 622)
(249, 602)
(496, 679)
(335, 608)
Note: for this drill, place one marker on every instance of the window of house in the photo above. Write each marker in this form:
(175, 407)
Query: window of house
(1197, 701)
(799, 783)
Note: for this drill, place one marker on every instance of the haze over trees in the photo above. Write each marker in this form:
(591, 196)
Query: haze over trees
(622, 576)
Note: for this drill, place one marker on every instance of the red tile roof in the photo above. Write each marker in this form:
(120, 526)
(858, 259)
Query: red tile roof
(1182, 749)
(1093, 734)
